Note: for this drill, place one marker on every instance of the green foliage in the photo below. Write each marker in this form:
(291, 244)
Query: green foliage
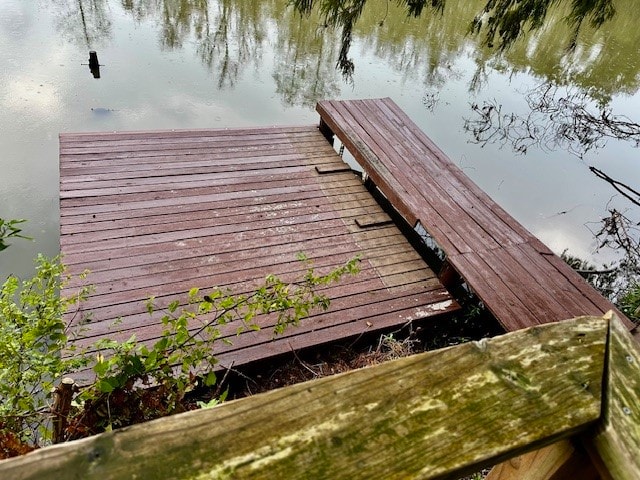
(605, 279)
(34, 344)
(183, 358)
(9, 229)
(33, 335)
(630, 302)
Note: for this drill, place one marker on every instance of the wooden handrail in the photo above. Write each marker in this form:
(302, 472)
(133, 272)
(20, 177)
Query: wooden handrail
(433, 415)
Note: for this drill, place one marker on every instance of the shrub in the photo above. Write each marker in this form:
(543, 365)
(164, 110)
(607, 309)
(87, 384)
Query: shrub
(183, 358)
(33, 335)
(35, 351)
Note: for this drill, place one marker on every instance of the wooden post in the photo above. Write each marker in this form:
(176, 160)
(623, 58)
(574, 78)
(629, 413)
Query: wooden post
(61, 406)
(615, 445)
(94, 65)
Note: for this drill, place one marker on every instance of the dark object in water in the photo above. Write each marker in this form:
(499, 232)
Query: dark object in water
(94, 65)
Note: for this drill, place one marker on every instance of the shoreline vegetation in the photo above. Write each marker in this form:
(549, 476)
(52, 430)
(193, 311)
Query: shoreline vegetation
(135, 383)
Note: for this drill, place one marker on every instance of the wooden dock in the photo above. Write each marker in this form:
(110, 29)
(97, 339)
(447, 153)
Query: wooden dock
(516, 276)
(157, 213)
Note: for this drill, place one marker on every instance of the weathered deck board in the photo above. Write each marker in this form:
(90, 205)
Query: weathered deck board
(440, 414)
(157, 213)
(517, 277)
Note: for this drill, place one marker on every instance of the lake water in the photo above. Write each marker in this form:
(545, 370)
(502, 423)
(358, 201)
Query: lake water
(208, 64)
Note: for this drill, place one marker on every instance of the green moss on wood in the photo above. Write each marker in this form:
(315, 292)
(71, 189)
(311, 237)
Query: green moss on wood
(427, 416)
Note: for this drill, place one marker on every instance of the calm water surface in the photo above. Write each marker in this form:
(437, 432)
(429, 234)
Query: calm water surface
(207, 64)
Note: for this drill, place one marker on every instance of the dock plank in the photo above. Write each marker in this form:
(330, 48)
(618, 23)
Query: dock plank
(513, 273)
(157, 213)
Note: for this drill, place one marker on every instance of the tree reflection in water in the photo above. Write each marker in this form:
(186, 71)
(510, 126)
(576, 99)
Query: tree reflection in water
(558, 118)
(500, 22)
(570, 120)
(83, 22)
(415, 37)
(581, 52)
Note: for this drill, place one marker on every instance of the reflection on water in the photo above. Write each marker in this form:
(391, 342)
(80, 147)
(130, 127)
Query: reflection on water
(558, 119)
(84, 22)
(208, 64)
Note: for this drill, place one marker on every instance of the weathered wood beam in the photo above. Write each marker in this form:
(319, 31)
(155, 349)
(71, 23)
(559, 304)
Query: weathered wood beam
(616, 439)
(433, 415)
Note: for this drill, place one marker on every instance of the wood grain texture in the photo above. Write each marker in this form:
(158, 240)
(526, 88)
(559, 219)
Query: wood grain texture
(157, 213)
(434, 415)
(617, 437)
(561, 461)
(520, 280)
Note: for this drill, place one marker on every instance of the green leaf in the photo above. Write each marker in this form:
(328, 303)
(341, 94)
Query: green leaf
(210, 379)
(150, 305)
(104, 386)
(173, 306)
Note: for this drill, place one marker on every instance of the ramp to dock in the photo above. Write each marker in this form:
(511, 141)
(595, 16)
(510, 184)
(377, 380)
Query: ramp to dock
(516, 276)
(157, 213)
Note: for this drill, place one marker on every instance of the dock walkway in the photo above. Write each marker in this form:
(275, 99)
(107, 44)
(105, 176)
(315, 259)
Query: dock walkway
(515, 275)
(157, 213)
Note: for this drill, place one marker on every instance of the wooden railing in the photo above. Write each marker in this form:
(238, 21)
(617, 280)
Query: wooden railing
(565, 386)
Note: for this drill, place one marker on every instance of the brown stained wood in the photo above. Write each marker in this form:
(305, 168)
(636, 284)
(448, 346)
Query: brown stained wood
(585, 289)
(224, 225)
(518, 278)
(457, 207)
(149, 155)
(476, 203)
(269, 254)
(160, 214)
(235, 141)
(105, 305)
(136, 314)
(371, 310)
(227, 272)
(140, 255)
(259, 203)
(523, 282)
(223, 187)
(211, 136)
(423, 168)
(229, 249)
(356, 328)
(229, 162)
(361, 151)
(257, 195)
(493, 292)
(191, 184)
(163, 216)
(157, 134)
(137, 319)
(264, 228)
(616, 438)
(439, 414)
(557, 285)
(101, 175)
(116, 227)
